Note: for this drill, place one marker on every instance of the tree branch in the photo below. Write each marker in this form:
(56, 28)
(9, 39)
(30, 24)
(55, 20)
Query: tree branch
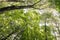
(17, 31)
(7, 36)
(16, 7)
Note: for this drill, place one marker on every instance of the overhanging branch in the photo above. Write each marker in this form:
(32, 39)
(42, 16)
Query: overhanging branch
(17, 7)
(14, 7)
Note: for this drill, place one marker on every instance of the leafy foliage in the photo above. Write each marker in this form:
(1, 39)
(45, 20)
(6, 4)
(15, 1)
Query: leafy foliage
(18, 25)
(56, 3)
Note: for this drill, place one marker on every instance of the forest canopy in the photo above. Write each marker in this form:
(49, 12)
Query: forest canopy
(29, 19)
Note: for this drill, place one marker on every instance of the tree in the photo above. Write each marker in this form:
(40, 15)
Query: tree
(45, 18)
(55, 3)
(15, 24)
